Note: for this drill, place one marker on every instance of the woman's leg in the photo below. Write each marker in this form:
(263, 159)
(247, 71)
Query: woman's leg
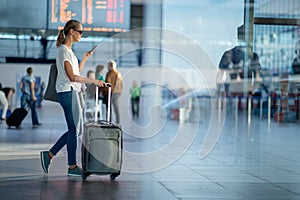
(69, 138)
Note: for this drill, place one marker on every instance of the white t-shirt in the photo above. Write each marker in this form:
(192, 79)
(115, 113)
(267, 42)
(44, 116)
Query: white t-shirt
(63, 82)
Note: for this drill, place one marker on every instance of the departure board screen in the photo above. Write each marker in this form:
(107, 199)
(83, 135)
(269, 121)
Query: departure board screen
(95, 15)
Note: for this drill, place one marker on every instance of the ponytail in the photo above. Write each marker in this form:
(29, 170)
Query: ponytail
(60, 38)
(71, 24)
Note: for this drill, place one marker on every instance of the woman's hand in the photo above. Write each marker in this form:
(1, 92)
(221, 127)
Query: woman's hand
(88, 54)
(101, 84)
(91, 52)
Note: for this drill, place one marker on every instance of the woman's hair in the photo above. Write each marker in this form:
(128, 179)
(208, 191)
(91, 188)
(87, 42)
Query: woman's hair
(71, 24)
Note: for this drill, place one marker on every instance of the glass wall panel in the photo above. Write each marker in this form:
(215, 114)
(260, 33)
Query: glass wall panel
(276, 33)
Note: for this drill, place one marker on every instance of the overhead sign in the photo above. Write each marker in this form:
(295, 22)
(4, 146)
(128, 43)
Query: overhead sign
(95, 15)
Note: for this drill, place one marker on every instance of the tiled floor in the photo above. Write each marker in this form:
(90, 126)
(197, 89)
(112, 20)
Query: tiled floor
(161, 161)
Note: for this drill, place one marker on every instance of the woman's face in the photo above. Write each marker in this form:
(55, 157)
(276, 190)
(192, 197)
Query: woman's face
(77, 33)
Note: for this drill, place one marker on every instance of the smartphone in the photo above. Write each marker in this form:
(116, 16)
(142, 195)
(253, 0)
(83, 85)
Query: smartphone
(94, 48)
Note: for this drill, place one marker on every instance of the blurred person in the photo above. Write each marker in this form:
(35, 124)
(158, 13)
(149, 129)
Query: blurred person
(68, 87)
(135, 93)
(296, 60)
(100, 76)
(90, 88)
(233, 61)
(114, 77)
(90, 94)
(100, 72)
(28, 97)
(9, 92)
(90, 74)
(3, 104)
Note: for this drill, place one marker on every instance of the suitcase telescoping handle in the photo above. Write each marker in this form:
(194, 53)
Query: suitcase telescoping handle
(108, 103)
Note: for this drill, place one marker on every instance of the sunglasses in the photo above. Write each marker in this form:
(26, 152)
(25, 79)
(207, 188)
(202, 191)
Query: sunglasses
(79, 31)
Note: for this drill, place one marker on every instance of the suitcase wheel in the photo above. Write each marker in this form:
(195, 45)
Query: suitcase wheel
(113, 177)
(84, 176)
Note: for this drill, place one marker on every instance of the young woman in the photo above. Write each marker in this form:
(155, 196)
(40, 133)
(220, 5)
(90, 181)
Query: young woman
(68, 87)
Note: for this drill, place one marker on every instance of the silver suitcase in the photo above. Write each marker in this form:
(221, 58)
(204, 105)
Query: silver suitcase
(102, 145)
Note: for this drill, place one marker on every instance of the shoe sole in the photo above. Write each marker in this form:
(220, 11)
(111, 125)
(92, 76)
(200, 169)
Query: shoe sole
(75, 175)
(42, 162)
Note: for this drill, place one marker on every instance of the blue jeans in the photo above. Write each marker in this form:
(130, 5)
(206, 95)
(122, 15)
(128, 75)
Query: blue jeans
(26, 99)
(69, 138)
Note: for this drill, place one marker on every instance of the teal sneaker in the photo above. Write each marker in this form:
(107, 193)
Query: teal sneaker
(75, 172)
(45, 161)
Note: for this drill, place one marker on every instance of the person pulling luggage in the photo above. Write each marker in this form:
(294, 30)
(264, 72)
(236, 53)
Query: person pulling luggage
(68, 87)
(28, 96)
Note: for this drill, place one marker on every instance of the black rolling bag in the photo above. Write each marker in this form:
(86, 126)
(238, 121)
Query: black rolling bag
(102, 146)
(16, 117)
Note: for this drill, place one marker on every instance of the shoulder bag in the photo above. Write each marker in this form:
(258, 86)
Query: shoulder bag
(50, 93)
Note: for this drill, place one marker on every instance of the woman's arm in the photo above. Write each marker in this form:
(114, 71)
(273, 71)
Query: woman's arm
(84, 59)
(80, 79)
